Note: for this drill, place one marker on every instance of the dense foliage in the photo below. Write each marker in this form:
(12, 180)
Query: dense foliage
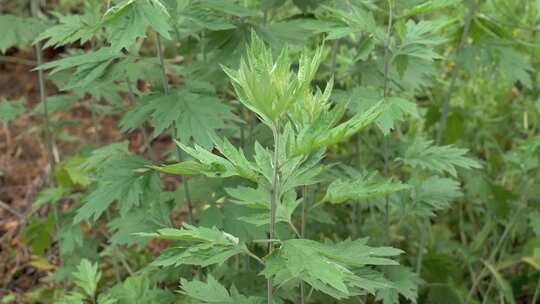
(353, 151)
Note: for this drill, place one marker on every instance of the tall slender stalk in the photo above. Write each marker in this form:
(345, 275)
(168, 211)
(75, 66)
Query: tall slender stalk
(444, 114)
(273, 204)
(421, 245)
(335, 49)
(47, 130)
(386, 89)
(493, 255)
(146, 138)
(455, 72)
(165, 80)
(305, 191)
(536, 292)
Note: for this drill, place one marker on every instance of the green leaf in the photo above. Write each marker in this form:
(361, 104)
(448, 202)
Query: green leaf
(361, 188)
(136, 221)
(504, 286)
(195, 116)
(211, 164)
(329, 268)
(18, 31)
(430, 6)
(72, 298)
(208, 246)
(417, 39)
(51, 195)
(71, 28)
(55, 104)
(212, 291)
(229, 7)
(120, 181)
(534, 219)
(267, 87)
(129, 20)
(10, 110)
(437, 192)
(317, 136)
(140, 289)
(209, 292)
(395, 112)
(423, 154)
(245, 197)
(88, 67)
(405, 282)
(515, 66)
(87, 277)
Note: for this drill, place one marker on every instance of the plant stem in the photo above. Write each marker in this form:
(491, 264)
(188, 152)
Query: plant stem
(385, 94)
(255, 257)
(95, 123)
(12, 59)
(47, 131)
(8, 135)
(179, 153)
(536, 292)
(146, 138)
(492, 256)
(335, 49)
(486, 295)
(455, 71)
(305, 191)
(274, 203)
(423, 237)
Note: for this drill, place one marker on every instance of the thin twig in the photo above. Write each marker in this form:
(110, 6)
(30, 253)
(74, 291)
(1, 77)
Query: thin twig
(536, 292)
(492, 256)
(12, 59)
(255, 257)
(179, 153)
(273, 204)
(47, 131)
(11, 210)
(446, 104)
(423, 238)
(385, 95)
(146, 138)
(335, 49)
(295, 230)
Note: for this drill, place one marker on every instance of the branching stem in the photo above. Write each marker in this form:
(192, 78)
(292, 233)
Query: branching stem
(385, 95)
(47, 130)
(274, 203)
(166, 90)
(455, 72)
(492, 256)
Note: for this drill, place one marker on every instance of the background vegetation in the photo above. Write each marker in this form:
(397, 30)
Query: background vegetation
(276, 151)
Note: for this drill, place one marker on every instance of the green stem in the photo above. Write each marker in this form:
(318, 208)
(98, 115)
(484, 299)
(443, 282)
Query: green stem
(486, 295)
(146, 137)
(255, 257)
(423, 238)
(273, 204)
(385, 94)
(335, 49)
(492, 256)
(115, 257)
(95, 123)
(8, 134)
(536, 292)
(179, 153)
(305, 191)
(48, 137)
(455, 72)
